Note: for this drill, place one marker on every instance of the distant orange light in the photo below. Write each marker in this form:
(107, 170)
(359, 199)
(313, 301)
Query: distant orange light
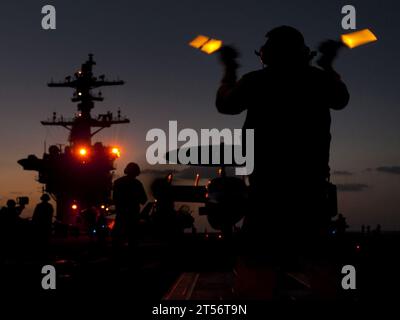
(116, 152)
(103, 206)
(83, 152)
(358, 38)
(74, 207)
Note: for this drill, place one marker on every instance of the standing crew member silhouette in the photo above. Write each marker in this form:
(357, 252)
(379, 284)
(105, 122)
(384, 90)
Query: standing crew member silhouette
(128, 195)
(42, 220)
(288, 105)
(43, 216)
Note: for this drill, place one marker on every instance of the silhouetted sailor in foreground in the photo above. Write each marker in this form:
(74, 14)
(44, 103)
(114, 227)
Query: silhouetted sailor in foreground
(42, 218)
(288, 104)
(128, 195)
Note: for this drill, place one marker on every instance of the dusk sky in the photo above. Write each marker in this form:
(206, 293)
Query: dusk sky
(145, 44)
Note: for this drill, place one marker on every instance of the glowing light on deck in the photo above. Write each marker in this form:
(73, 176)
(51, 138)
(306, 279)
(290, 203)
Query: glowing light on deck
(197, 179)
(169, 178)
(358, 38)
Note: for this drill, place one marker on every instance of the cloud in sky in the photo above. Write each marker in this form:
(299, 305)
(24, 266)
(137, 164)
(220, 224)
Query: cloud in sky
(389, 169)
(18, 193)
(159, 171)
(351, 187)
(342, 173)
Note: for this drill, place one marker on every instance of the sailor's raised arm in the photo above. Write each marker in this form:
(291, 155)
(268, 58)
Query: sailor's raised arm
(231, 93)
(337, 92)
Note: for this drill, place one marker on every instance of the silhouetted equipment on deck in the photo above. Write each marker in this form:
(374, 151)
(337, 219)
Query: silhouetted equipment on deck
(23, 201)
(225, 198)
(79, 176)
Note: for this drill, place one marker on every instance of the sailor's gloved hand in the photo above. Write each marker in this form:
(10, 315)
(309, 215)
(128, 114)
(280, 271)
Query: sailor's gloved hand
(329, 50)
(228, 56)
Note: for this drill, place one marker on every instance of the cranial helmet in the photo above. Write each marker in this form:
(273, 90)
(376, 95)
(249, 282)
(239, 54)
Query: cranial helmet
(11, 203)
(45, 197)
(284, 46)
(132, 169)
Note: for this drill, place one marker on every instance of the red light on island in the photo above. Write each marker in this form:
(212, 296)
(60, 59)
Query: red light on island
(116, 152)
(83, 152)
